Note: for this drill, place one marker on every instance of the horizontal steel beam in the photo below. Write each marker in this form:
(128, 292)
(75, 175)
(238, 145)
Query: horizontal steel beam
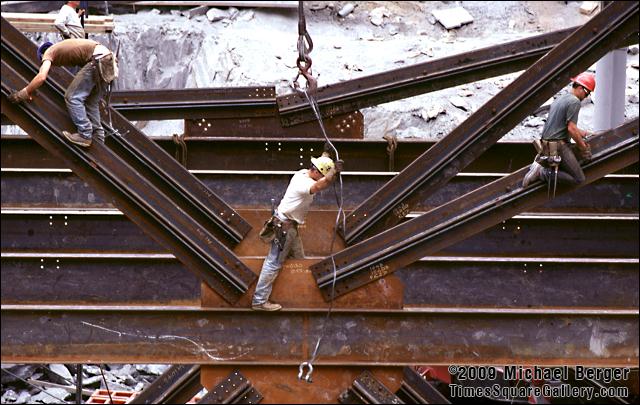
(484, 208)
(145, 279)
(363, 155)
(488, 124)
(374, 337)
(468, 67)
(61, 189)
(524, 236)
(143, 181)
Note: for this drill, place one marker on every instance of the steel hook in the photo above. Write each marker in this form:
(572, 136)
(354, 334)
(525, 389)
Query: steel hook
(307, 378)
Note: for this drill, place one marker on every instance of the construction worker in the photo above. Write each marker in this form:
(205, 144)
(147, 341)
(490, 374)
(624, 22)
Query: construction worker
(68, 21)
(291, 212)
(556, 161)
(86, 89)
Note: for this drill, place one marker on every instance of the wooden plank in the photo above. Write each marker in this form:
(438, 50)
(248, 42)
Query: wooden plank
(32, 27)
(43, 17)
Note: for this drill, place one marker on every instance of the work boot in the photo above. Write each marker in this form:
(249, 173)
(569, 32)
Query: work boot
(77, 139)
(534, 173)
(267, 306)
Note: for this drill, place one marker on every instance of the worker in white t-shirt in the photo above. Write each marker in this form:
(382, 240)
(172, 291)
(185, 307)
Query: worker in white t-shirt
(68, 21)
(292, 211)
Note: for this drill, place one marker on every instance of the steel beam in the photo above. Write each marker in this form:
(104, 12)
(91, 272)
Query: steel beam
(523, 236)
(463, 217)
(366, 389)
(145, 279)
(488, 124)
(367, 91)
(415, 389)
(143, 199)
(183, 335)
(249, 154)
(235, 389)
(177, 385)
(61, 189)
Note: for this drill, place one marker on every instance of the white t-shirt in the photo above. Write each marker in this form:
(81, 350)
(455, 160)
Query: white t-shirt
(297, 199)
(68, 22)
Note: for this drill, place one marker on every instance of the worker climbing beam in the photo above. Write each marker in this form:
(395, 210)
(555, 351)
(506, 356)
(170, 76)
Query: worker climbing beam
(142, 180)
(495, 118)
(458, 220)
(193, 335)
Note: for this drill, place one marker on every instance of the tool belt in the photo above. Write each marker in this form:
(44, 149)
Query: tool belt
(107, 68)
(548, 152)
(275, 228)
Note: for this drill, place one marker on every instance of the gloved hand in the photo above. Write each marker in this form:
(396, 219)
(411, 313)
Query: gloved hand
(338, 166)
(66, 36)
(20, 96)
(585, 154)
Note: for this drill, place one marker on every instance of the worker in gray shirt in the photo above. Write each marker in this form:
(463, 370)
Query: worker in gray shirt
(68, 21)
(556, 159)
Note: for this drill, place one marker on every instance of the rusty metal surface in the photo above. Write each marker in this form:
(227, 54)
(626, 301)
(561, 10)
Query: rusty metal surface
(182, 335)
(56, 189)
(350, 126)
(43, 277)
(468, 215)
(454, 70)
(177, 385)
(280, 385)
(284, 154)
(235, 389)
(527, 236)
(134, 194)
(490, 122)
(371, 391)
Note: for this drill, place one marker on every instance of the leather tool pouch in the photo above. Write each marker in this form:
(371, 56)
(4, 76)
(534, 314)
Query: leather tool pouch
(268, 233)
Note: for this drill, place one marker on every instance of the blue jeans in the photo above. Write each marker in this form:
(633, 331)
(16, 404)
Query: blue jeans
(82, 98)
(292, 248)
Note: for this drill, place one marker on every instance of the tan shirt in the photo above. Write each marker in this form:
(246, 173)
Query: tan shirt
(70, 52)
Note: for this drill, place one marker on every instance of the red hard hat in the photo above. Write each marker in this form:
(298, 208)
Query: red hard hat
(586, 79)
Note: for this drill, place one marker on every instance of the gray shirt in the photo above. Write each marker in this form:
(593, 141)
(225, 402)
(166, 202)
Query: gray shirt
(566, 108)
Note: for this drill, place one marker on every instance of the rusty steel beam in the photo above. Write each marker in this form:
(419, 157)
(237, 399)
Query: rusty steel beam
(241, 153)
(488, 124)
(355, 94)
(61, 189)
(606, 236)
(193, 335)
(138, 180)
(145, 279)
(366, 389)
(235, 389)
(466, 216)
(177, 385)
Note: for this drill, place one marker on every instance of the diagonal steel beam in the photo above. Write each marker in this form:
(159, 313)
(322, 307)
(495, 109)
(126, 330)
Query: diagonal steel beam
(147, 185)
(177, 385)
(351, 95)
(487, 125)
(453, 222)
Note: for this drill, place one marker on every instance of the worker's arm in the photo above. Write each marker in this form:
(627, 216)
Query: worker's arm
(24, 95)
(61, 22)
(327, 179)
(577, 135)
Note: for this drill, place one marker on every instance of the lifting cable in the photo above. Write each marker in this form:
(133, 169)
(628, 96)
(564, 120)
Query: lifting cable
(305, 45)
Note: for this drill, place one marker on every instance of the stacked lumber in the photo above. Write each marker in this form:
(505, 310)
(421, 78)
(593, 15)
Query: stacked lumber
(33, 22)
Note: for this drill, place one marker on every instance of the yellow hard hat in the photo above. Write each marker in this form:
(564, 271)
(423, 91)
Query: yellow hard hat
(323, 164)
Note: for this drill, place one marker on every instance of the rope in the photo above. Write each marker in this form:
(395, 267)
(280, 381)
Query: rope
(339, 201)
(105, 384)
